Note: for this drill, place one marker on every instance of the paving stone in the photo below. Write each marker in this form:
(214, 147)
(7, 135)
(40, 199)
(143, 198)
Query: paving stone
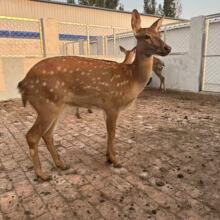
(169, 166)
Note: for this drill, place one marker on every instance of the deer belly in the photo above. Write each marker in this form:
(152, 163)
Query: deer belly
(86, 101)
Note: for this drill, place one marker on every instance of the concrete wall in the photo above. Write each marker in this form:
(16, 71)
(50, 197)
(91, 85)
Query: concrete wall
(182, 71)
(12, 70)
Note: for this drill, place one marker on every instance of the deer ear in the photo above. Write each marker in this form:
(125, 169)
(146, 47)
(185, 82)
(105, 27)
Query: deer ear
(156, 25)
(135, 21)
(122, 49)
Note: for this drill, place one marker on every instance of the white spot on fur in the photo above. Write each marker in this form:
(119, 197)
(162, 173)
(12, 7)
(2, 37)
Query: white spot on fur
(44, 83)
(32, 86)
(59, 68)
(36, 91)
(51, 72)
(87, 87)
(82, 73)
(32, 152)
(47, 100)
(64, 70)
(44, 71)
(90, 70)
(77, 69)
(51, 90)
(63, 60)
(62, 84)
(118, 84)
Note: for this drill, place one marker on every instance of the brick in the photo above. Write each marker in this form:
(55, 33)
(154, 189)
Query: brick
(34, 206)
(109, 211)
(23, 189)
(59, 209)
(83, 210)
(8, 202)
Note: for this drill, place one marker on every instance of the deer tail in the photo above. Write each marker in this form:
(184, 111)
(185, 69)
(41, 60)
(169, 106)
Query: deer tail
(23, 95)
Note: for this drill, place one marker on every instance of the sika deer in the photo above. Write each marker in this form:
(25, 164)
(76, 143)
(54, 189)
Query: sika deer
(158, 65)
(129, 57)
(55, 82)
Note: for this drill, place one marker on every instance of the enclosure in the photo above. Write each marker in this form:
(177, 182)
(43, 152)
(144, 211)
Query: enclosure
(168, 142)
(170, 157)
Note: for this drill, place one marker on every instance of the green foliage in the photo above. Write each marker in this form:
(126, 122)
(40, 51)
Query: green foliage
(150, 6)
(112, 4)
(71, 1)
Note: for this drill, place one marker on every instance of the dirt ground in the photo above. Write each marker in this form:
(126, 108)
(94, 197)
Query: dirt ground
(168, 144)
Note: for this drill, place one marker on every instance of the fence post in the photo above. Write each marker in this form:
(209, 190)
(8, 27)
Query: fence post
(50, 37)
(88, 40)
(196, 48)
(204, 52)
(114, 42)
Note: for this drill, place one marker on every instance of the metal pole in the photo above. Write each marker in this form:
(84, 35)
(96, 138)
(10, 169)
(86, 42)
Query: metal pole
(204, 52)
(114, 42)
(88, 40)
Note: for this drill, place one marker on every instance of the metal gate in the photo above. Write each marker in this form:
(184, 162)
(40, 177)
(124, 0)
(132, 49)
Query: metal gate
(211, 57)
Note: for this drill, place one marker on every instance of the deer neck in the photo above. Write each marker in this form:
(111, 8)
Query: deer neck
(142, 68)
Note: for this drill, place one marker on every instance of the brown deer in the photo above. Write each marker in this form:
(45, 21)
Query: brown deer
(70, 80)
(129, 58)
(158, 65)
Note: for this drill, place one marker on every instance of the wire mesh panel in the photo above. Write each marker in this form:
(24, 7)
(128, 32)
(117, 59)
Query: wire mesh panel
(20, 37)
(212, 56)
(73, 39)
(178, 36)
(126, 39)
(99, 41)
(92, 40)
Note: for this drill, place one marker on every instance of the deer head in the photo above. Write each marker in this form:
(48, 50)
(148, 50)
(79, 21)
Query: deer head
(148, 39)
(129, 55)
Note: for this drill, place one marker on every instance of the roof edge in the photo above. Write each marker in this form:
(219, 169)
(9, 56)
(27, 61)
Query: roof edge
(103, 9)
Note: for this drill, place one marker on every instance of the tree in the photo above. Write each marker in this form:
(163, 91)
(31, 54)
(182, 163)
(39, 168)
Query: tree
(71, 1)
(87, 2)
(172, 8)
(121, 7)
(100, 3)
(112, 4)
(150, 6)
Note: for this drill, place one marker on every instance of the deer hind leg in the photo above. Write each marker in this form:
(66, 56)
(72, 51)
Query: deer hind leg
(47, 114)
(77, 113)
(111, 119)
(48, 139)
(33, 136)
(163, 82)
(89, 110)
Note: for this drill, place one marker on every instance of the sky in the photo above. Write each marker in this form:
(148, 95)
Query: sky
(190, 8)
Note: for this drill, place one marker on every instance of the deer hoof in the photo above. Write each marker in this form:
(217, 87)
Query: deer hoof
(89, 111)
(78, 116)
(63, 166)
(44, 176)
(117, 165)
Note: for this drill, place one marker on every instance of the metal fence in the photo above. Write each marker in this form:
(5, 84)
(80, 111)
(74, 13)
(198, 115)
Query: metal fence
(178, 36)
(92, 40)
(211, 54)
(20, 37)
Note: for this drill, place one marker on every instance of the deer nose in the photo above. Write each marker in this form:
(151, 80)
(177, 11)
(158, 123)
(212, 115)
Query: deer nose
(167, 48)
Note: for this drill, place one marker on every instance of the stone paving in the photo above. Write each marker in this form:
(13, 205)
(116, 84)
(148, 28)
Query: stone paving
(169, 145)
